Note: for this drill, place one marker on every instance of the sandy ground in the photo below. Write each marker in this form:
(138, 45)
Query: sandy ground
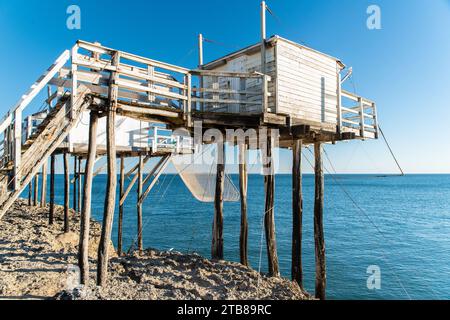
(37, 261)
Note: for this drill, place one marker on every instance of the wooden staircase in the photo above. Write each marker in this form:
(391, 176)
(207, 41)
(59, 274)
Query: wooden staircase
(49, 136)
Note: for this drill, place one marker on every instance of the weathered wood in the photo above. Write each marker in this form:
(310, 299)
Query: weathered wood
(297, 213)
(110, 197)
(74, 182)
(139, 205)
(44, 185)
(269, 219)
(36, 190)
(51, 215)
(243, 183)
(79, 185)
(121, 193)
(156, 171)
(131, 184)
(318, 223)
(217, 237)
(30, 192)
(66, 192)
(83, 253)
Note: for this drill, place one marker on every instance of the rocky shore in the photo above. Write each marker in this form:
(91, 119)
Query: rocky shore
(38, 261)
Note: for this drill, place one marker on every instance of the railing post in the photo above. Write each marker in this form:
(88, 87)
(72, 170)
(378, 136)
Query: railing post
(361, 111)
(189, 99)
(339, 105)
(375, 119)
(265, 96)
(151, 73)
(17, 147)
(155, 139)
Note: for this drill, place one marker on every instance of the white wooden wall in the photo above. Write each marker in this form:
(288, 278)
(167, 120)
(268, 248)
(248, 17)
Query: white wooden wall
(129, 132)
(307, 83)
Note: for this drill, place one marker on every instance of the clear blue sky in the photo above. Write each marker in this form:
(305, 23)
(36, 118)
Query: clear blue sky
(404, 67)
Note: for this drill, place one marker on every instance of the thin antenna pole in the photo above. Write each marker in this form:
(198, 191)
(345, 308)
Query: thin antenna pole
(263, 37)
(200, 64)
(200, 50)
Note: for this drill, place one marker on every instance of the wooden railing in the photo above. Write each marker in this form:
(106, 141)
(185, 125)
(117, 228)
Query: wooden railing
(231, 91)
(360, 118)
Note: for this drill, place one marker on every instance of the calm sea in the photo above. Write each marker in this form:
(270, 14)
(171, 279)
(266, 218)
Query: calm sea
(400, 224)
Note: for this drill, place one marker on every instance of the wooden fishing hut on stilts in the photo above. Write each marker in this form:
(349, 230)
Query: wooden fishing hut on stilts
(108, 103)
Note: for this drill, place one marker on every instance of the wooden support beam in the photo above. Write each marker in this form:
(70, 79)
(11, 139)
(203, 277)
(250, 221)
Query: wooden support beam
(17, 148)
(51, 215)
(83, 253)
(217, 237)
(30, 192)
(66, 192)
(243, 183)
(121, 193)
(139, 205)
(131, 184)
(158, 169)
(297, 213)
(36, 190)
(110, 197)
(318, 223)
(79, 184)
(74, 182)
(44, 185)
(269, 219)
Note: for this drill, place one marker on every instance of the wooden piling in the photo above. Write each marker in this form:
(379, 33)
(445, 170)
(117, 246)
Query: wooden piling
(297, 213)
(30, 193)
(269, 219)
(243, 183)
(80, 180)
(121, 192)
(217, 237)
(44, 185)
(36, 190)
(51, 214)
(139, 205)
(110, 197)
(74, 180)
(66, 192)
(83, 253)
(318, 223)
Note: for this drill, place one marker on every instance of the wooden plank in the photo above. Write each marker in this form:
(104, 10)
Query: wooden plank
(318, 224)
(243, 183)
(297, 213)
(83, 255)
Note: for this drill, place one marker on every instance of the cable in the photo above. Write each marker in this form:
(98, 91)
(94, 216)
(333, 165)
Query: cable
(390, 149)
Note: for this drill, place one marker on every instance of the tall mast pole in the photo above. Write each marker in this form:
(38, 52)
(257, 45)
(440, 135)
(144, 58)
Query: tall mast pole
(200, 64)
(263, 37)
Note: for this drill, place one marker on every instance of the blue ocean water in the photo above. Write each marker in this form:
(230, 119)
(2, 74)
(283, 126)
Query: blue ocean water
(400, 224)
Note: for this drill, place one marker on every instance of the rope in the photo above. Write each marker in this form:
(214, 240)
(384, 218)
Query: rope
(390, 150)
